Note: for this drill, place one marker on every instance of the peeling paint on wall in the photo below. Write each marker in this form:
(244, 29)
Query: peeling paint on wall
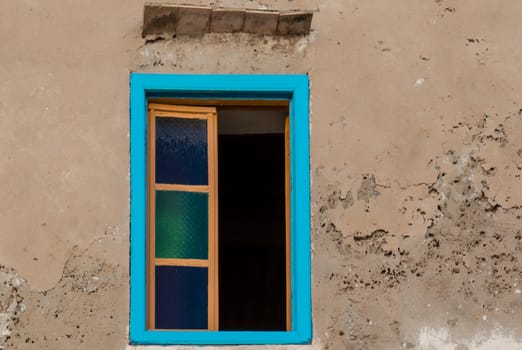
(11, 305)
(440, 339)
(85, 309)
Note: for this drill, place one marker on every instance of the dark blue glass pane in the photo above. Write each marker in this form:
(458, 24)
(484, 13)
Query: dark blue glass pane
(181, 297)
(181, 151)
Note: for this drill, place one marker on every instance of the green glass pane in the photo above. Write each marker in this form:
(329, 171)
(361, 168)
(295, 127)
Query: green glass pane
(181, 225)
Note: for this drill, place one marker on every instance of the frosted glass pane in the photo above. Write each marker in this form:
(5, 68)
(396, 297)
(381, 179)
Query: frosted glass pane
(181, 225)
(181, 151)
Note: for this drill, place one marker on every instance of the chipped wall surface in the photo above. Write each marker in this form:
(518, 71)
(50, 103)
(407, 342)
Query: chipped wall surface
(416, 159)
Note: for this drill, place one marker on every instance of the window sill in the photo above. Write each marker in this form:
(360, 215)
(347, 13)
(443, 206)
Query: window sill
(220, 337)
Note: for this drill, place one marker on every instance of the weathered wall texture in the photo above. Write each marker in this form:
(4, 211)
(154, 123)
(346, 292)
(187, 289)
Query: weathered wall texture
(416, 165)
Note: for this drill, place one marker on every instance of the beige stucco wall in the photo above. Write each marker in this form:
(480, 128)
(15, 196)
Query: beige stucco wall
(416, 119)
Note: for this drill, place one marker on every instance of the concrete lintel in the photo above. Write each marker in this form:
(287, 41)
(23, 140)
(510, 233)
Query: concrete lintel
(261, 21)
(225, 20)
(193, 19)
(159, 20)
(167, 20)
(294, 22)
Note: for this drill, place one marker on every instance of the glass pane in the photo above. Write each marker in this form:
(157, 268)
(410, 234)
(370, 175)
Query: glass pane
(181, 297)
(181, 225)
(181, 151)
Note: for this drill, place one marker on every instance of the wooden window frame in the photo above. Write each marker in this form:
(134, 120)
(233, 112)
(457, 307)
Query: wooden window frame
(208, 114)
(218, 90)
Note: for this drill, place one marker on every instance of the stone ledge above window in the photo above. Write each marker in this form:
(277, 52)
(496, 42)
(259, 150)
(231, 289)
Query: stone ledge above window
(163, 21)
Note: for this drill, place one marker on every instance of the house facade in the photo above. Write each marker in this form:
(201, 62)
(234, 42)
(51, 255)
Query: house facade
(415, 162)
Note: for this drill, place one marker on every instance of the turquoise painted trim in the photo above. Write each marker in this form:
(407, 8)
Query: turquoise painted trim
(295, 88)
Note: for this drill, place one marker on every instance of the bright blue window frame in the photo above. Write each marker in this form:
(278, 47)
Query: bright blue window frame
(295, 89)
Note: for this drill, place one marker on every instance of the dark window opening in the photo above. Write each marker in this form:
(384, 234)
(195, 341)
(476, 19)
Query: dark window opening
(252, 253)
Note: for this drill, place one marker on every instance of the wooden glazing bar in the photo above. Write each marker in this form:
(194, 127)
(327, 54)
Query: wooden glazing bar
(180, 262)
(184, 188)
(195, 111)
(167, 114)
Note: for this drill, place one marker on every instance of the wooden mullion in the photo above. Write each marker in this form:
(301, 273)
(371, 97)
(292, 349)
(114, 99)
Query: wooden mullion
(151, 222)
(213, 290)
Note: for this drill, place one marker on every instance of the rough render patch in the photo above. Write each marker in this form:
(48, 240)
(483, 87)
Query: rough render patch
(440, 339)
(443, 253)
(498, 150)
(11, 305)
(261, 22)
(86, 309)
(232, 53)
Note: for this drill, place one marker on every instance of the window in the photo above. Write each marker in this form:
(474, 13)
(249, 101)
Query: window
(220, 247)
